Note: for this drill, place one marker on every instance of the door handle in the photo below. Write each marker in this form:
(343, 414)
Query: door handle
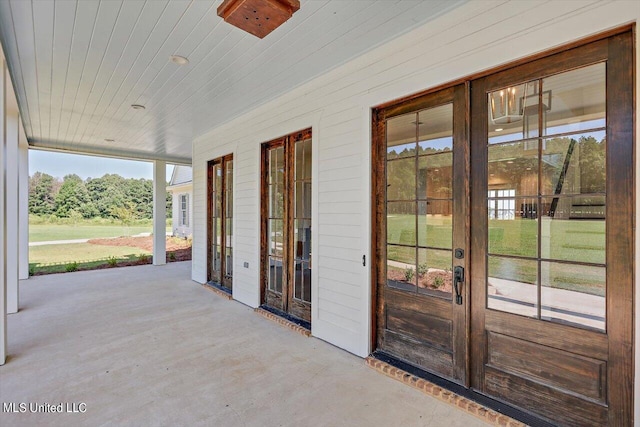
(458, 280)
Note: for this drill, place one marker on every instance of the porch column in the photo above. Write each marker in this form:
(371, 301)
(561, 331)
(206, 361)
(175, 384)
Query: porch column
(23, 205)
(3, 228)
(159, 213)
(11, 200)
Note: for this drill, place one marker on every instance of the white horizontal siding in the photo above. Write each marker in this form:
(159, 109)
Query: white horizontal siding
(469, 39)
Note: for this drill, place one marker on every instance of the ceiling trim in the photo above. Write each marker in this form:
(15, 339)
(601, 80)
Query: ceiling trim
(113, 154)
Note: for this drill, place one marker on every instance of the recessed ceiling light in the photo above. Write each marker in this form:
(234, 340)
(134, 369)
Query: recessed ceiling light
(180, 60)
(510, 162)
(499, 130)
(109, 140)
(528, 169)
(138, 107)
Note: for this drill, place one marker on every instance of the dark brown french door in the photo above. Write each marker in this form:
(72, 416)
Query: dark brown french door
(504, 238)
(286, 225)
(422, 303)
(220, 221)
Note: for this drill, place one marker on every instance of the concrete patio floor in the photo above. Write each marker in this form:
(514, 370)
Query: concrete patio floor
(146, 346)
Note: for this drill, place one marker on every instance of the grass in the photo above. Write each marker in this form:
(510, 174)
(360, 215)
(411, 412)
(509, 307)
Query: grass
(567, 240)
(78, 252)
(49, 259)
(49, 232)
(35, 268)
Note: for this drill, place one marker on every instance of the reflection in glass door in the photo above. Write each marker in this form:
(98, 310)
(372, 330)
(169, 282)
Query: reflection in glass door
(286, 225)
(220, 223)
(552, 260)
(421, 202)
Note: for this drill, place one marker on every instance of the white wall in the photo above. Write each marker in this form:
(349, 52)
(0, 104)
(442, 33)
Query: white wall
(472, 38)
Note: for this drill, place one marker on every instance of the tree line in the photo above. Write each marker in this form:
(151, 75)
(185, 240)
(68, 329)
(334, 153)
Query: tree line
(111, 196)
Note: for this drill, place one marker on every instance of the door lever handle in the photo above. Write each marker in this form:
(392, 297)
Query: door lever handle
(458, 280)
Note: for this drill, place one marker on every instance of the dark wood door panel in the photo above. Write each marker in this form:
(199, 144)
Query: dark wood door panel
(558, 407)
(420, 326)
(417, 353)
(300, 309)
(573, 374)
(579, 341)
(437, 307)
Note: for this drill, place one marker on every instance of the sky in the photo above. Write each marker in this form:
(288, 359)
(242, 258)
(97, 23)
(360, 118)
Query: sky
(60, 164)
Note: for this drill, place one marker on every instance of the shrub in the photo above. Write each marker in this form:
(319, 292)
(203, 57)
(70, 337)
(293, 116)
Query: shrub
(32, 270)
(172, 256)
(143, 258)
(112, 261)
(438, 282)
(409, 273)
(72, 266)
(422, 269)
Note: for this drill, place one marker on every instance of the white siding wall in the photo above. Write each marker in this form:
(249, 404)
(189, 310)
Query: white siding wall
(177, 229)
(472, 38)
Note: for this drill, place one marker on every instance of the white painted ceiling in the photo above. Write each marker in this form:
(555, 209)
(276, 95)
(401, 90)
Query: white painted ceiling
(77, 66)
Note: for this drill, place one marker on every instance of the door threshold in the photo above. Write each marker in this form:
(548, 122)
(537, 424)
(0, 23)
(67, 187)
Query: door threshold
(218, 289)
(295, 324)
(468, 400)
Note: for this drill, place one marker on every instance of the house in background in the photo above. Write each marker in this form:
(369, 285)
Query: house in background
(181, 189)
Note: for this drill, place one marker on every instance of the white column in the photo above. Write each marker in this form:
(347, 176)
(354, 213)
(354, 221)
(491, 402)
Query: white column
(159, 213)
(11, 200)
(3, 229)
(23, 205)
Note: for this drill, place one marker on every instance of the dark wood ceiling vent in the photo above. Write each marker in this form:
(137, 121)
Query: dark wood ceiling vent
(258, 17)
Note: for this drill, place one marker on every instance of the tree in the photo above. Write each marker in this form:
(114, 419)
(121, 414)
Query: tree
(41, 194)
(74, 195)
(126, 215)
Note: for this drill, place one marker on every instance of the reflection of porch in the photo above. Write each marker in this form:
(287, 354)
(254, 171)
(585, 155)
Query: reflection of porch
(147, 346)
(560, 304)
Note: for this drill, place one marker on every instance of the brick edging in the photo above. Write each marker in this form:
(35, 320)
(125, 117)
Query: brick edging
(284, 322)
(218, 292)
(469, 406)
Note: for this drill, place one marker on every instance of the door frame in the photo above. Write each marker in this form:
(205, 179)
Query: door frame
(288, 142)
(224, 282)
(458, 94)
(622, 357)
(618, 337)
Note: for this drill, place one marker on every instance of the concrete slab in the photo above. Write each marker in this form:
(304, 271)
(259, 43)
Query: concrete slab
(147, 346)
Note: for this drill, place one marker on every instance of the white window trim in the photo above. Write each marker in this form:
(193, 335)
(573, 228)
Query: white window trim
(184, 212)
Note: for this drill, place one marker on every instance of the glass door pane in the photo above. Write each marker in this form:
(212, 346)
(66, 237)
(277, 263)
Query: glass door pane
(275, 233)
(228, 209)
(302, 221)
(547, 201)
(216, 232)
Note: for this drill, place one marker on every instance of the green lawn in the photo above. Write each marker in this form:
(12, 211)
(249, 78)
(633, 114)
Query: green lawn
(78, 252)
(48, 232)
(566, 240)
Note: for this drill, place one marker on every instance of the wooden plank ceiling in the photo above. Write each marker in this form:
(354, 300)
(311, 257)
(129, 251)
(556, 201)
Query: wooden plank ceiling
(78, 66)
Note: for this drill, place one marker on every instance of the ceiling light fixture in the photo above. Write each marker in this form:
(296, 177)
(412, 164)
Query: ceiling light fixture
(499, 130)
(257, 17)
(138, 107)
(180, 60)
(508, 105)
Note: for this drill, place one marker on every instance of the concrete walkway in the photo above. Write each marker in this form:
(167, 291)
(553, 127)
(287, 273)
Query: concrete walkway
(58, 242)
(146, 346)
(65, 242)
